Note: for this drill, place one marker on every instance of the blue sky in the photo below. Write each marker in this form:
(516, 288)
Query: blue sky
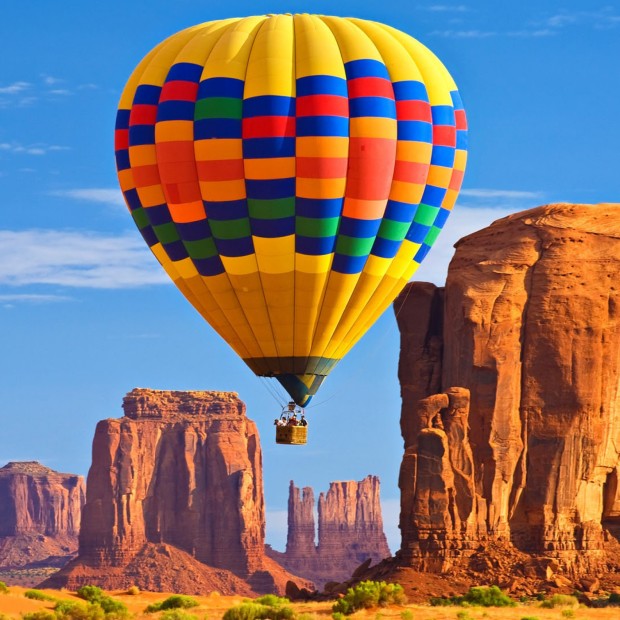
(86, 314)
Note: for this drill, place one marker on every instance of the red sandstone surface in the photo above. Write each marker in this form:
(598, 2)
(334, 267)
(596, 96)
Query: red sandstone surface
(350, 531)
(511, 412)
(39, 515)
(175, 500)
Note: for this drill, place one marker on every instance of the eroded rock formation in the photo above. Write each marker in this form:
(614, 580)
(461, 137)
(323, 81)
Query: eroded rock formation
(529, 325)
(350, 531)
(176, 485)
(40, 513)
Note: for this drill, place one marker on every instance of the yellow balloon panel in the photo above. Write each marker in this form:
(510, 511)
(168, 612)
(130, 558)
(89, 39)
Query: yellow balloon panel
(290, 173)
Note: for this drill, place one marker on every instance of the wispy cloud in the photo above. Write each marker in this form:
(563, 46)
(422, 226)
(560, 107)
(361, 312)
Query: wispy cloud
(464, 34)
(32, 298)
(447, 8)
(112, 197)
(15, 88)
(31, 149)
(500, 194)
(603, 18)
(76, 259)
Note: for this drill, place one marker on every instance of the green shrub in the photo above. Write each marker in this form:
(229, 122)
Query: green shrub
(614, 599)
(487, 596)
(529, 618)
(90, 593)
(306, 616)
(337, 615)
(113, 607)
(176, 601)
(568, 613)
(41, 614)
(70, 610)
(271, 600)
(479, 596)
(247, 611)
(177, 614)
(560, 600)
(252, 610)
(463, 615)
(37, 595)
(370, 594)
(406, 615)
(3, 588)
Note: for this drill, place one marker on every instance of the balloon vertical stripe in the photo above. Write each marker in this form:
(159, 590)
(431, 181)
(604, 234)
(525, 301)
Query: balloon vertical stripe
(290, 173)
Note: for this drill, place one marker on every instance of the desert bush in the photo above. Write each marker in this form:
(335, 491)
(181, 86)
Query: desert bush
(177, 614)
(337, 615)
(133, 591)
(614, 599)
(253, 610)
(176, 601)
(41, 614)
(406, 615)
(272, 600)
(487, 596)
(479, 596)
(463, 615)
(530, 618)
(560, 600)
(307, 616)
(112, 607)
(3, 588)
(568, 613)
(370, 594)
(70, 610)
(37, 595)
(90, 593)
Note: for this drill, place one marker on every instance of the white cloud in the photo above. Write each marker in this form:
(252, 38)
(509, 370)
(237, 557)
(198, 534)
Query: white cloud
(500, 194)
(15, 88)
(463, 34)
(77, 260)
(31, 149)
(50, 80)
(603, 18)
(32, 298)
(447, 8)
(94, 194)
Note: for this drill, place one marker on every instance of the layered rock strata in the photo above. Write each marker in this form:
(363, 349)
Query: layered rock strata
(350, 531)
(176, 484)
(40, 511)
(525, 450)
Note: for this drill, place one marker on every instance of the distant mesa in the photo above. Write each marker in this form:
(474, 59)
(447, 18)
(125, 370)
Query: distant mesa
(175, 500)
(511, 409)
(350, 531)
(40, 513)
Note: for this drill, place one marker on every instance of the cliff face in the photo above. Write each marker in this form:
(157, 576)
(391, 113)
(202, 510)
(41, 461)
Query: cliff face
(40, 512)
(350, 531)
(525, 449)
(180, 475)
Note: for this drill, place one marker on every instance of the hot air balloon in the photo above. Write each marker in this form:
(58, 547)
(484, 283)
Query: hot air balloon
(290, 173)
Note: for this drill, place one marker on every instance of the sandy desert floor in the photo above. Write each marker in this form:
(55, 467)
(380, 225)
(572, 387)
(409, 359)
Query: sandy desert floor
(213, 606)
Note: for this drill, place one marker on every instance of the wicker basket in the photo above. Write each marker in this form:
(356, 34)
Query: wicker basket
(294, 435)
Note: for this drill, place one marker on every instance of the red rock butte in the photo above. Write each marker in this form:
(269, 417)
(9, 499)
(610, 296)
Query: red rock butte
(511, 412)
(175, 500)
(39, 515)
(350, 531)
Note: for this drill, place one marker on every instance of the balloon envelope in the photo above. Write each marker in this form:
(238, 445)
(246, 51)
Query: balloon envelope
(290, 173)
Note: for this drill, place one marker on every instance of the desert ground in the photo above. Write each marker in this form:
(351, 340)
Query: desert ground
(13, 604)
